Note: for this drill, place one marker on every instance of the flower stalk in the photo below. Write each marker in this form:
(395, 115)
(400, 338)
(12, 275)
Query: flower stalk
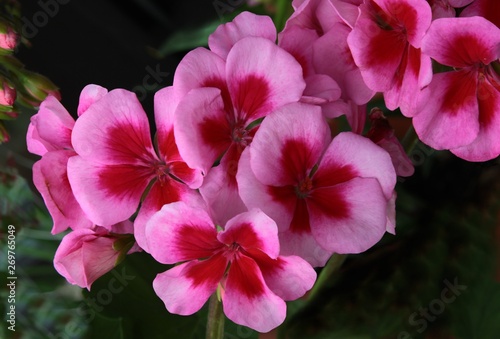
(215, 323)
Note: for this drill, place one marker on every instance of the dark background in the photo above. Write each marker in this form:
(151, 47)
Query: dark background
(105, 42)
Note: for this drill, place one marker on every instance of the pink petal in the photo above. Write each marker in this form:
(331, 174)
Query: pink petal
(98, 257)
(289, 277)
(298, 41)
(262, 77)
(460, 42)
(199, 68)
(333, 57)
(186, 287)
(487, 144)
(162, 192)
(244, 25)
(488, 9)
(67, 259)
(83, 256)
(34, 143)
(414, 16)
(252, 230)
(304, 245)
(381, 35)
(89, 95)
(220, 191)
(51, 179)
(348, 12)
(348, 217)
(202, 128)
(322, 90)
(179, 232)
(319, 15)
(107, 193)
(288, 144)
(415, 73)
(114, 130)
(248, 301)
(165, 102)
(351, 155)
(257, 195)
(52, 127)
(449, 114)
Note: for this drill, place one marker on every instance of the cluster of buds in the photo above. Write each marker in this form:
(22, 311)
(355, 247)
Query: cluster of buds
(18, 86)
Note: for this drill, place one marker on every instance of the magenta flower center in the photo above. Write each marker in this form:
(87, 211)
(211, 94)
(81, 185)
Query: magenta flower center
(241, 136)
(304, 188)
(231, 251)
(162, 172)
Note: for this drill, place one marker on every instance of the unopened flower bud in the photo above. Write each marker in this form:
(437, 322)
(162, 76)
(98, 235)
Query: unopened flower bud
(7, 93)
(37, 87)
(8, 37)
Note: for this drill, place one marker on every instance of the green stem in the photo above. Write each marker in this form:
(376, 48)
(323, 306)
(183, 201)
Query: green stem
(283, 10)
(215, 322)
(410, 140)
(326, 275)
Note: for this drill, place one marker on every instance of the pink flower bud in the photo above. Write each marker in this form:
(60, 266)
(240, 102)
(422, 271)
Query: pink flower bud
(7, 93)
(8, 38)
(87, 254)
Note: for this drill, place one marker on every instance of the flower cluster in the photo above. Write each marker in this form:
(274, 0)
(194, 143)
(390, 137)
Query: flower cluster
(245, 186)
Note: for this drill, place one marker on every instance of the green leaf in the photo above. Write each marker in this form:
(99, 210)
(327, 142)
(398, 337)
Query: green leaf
(187, 39)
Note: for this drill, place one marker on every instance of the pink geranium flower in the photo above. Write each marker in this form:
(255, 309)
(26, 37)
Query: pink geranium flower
(488, 9)
(222, 102)
(385, 44)
(116, 161)
(87, 254)
(461, 108)
(49, 135)
(242, 260)
(325, 196)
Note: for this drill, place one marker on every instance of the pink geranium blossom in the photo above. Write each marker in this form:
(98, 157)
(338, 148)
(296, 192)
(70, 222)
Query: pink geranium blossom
(116, 161)
(325, 196)
(242, 260)
(222, 102)
(49, 135)
(86, 254)
(385, 44)
(461, 108)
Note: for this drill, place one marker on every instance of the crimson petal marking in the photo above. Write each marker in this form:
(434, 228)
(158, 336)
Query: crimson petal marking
(162, 192)
(108, 194)
(462, 42)
(289, 277)
(288, 144)
(257, 195)
(349, 217)
(114, 130)
(185, 288)
(252, 230)
(201, 128)
(262, 77)
(180, 232)
(250, 96)
(248, 301)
